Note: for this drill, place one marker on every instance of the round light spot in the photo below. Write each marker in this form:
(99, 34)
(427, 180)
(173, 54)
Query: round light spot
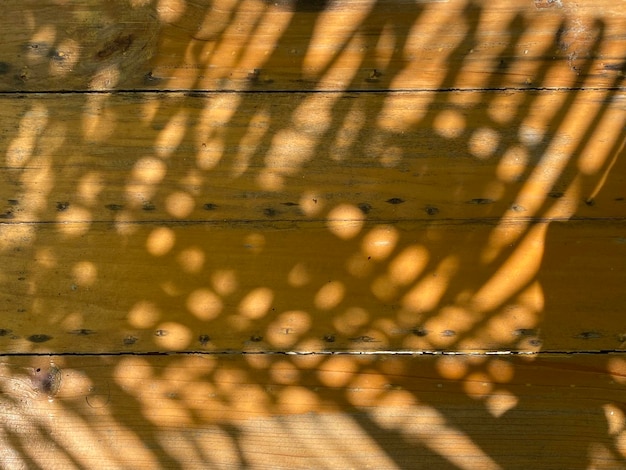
(179, 204)
(144, 314)
(483, 143)
(191, 259)
(256, 303)
(149, 170)
(160, 241)
(449, 124)
(330, 295)
(345, 221)
(85, 273)
(204, 304)
(173, 336)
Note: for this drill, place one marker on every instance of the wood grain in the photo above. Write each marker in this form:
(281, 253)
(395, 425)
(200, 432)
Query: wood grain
(106, 287)
(321, 45)
(312, 234)
(267, 411)
(297, 157)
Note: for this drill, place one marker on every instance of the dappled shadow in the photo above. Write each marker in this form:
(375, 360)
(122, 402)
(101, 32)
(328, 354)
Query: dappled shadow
(308, 177)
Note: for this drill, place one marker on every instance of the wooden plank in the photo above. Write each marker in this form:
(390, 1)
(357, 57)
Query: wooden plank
(316, 286)
(298, 157)
(267, 411)
(297, 45)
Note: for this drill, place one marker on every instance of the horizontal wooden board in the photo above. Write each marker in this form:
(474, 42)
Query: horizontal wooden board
(286, 412)
(304, 45)
(315, 286)
(266, 157)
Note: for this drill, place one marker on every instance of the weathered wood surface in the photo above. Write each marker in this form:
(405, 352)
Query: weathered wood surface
(394, 156)
(292, 176)
(255, 223)
(404, 286)
(321, 44)
(273, 411)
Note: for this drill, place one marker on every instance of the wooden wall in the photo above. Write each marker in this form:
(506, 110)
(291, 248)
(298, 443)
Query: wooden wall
(313, 234)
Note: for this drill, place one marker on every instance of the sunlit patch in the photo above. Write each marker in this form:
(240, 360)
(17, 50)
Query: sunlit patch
(64, 57)
(391, 156)
(249, 143)
(530, 135)
(299, 275)
(98, 119)
(133, 373)
(337, 371)
(210, 153)
(74, 221)
(483, 142)
(171, 136)
(124, 223)
(41, 41)
(149, 170)
(512, 164)
(616, 366)
(173, 336)
(615, 418)
(270, 180)
(289, 150)
(160, 241)
(179, 204)
(170, 11)
(425, 295)
(191, 259)
(21, 148)
(224, 281)
(449, 124)
(348, 133)
(330, 295)
(85, 273)
(400, 112)
(351, 320)
(451, 367)
(477, 385)
(365, 387)
(256, 303)
(328, 32)
(500, 402)
(408, 265)
(144, 314)
(345, 221)
(380, 241)
(288, 328)
(517, 271)
(297, 399)
(46, 257)
(311, 203)
(73, 321)
(204, 304)
(105, 78)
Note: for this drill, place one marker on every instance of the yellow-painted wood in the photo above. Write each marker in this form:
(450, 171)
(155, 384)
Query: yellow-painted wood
(304, 45)
(285, 412)
(286, 286)
(246, 157)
